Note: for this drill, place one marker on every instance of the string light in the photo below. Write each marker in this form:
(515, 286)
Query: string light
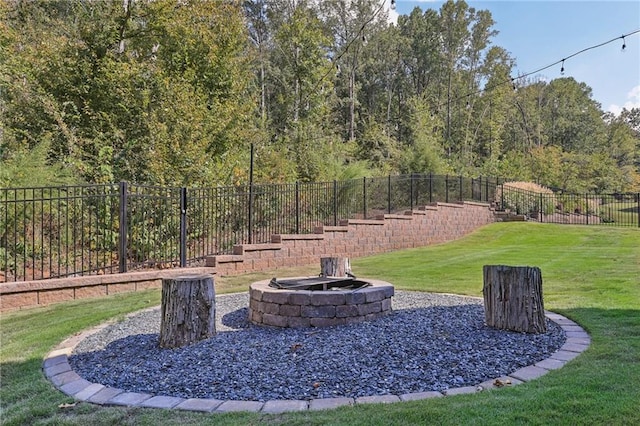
(486, 89)
(512, 80)
(359, 34)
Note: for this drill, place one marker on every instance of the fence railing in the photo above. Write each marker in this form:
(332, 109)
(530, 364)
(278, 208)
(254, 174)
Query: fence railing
(621, 209)
(67, 231)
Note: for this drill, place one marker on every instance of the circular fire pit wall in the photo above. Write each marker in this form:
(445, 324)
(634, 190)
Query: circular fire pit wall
(287, 307)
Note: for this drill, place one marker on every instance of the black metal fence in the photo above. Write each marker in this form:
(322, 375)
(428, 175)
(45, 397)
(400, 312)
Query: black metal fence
(556, 206)
(100, 229)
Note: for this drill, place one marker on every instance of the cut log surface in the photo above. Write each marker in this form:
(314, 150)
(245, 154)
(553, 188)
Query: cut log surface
(188, 312)
(513, 298)
(335, 267)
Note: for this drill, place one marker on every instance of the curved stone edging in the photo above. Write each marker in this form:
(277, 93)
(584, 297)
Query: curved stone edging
(57, 369)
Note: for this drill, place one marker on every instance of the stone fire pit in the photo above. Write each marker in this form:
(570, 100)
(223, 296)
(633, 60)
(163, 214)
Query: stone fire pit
(318, 302)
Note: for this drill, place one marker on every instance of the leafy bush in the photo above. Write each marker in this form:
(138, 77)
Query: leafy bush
(526, 198)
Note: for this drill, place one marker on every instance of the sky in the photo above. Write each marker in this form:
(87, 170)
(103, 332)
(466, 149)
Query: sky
(538, 33)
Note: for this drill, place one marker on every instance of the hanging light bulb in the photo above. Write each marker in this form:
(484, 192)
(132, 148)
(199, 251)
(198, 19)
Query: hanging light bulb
(393, 4)
(624, 44)
(562, 68)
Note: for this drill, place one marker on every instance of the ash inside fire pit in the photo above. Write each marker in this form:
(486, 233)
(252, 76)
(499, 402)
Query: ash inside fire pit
(319, 283)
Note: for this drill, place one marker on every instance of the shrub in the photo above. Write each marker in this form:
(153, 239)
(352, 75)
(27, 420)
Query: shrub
(526, 198)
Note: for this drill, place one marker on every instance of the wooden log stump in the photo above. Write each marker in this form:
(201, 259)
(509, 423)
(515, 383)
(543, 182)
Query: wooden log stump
(335, 267)
(513, 298)
(188, 312)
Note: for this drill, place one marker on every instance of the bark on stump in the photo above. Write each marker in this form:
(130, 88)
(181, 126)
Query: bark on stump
(513, 298)
(188, 312)
(335, 267)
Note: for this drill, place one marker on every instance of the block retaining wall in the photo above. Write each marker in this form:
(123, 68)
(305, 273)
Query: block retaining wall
(353, 238)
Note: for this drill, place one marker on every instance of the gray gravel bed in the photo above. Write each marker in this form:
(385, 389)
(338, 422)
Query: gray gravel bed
(430, 342)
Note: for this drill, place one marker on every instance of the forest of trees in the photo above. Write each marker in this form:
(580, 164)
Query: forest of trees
(170, 92)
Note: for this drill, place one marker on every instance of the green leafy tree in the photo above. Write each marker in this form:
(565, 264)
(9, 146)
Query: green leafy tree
(101, 82)
(425, 154)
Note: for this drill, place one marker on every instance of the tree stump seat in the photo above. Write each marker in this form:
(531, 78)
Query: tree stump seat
(513, 298)
(188, 312)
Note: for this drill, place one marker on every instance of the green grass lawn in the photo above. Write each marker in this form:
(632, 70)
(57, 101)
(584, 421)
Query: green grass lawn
(621, 212)
(590, 274)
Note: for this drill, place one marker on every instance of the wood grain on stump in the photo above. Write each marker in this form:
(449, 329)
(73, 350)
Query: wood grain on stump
(188, 312)
(335, 267)
(513, 298)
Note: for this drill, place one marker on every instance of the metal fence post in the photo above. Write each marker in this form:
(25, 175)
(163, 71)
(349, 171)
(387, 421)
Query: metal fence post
(297, 207)
(122, 229)
(638, 195)
(461, 192)
(389, 194)
(446, 188)
(430, 187)
(411, 195)
(250, 224)
(364, 197)
(183, 227)
(335, 202)
(586, 206)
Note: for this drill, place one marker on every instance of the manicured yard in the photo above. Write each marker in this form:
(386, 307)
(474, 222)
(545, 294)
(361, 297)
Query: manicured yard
(623, 213)
(591, 275)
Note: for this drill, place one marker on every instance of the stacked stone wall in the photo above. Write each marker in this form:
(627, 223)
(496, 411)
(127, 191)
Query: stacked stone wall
(359, 237)
(351, 238)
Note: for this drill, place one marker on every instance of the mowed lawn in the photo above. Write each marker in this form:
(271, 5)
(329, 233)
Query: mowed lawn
(590, 274)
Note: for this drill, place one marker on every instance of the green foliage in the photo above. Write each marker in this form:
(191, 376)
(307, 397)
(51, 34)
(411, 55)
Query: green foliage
(54, 231)
(426, 154)
(526, 198)
(377, 148)
(31, 167)
(175, 93)
(145, 92)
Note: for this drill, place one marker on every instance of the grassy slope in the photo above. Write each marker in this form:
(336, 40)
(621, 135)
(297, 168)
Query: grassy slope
(591, 275)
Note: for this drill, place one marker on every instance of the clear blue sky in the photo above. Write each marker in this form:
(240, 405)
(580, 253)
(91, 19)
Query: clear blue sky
(538, 33)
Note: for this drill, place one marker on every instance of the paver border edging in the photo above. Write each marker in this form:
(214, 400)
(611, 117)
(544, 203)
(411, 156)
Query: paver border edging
(58, 371)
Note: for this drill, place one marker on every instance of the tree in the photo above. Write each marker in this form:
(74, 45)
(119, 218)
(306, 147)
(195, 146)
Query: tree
(352, 23)
(426, 153)
(624, 148)
(101, 80)
(573, 120)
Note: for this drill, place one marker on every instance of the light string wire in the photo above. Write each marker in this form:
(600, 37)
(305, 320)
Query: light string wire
(334, 61)
(512, 80)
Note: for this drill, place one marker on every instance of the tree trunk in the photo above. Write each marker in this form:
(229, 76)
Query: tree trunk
(188, 310)
(335, 267)
(513, 298)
